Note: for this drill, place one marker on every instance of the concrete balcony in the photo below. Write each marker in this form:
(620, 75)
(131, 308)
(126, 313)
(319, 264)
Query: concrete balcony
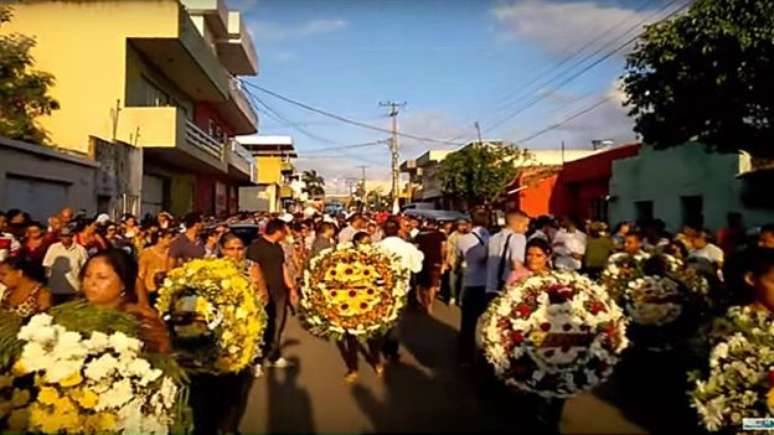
(167, 135)
(237, 51)
(187, 61)
(241, 164)
(238, 111)
(214, 12)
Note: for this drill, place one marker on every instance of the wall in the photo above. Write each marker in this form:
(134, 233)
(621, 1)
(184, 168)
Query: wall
(119, 178)
(74, 177)
(88, 58)
(663, 177)
(260, 198)
(181, 194)
(269, 170)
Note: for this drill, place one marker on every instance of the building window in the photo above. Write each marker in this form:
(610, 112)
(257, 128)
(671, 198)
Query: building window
(154, 96)
(692, 208)
(598, 209)
(644, 211)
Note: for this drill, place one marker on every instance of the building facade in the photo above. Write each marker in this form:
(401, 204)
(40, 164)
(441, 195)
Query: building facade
(273, 159)
(161, 79)
(684, 185)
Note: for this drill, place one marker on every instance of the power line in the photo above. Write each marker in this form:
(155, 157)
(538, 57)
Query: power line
(345, 119)
(347, 147)
(574, 76)
(566, 120)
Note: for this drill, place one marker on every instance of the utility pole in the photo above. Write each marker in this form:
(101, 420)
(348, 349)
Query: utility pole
(478, 131)
(363, 187)
(394, 153)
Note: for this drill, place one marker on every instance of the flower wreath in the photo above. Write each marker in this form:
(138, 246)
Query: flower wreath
(358, 291)
(740, 380)
(556, 334)
(79, 370)
(213, 314)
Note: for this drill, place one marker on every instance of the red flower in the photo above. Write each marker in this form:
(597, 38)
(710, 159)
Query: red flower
(545, 326)
(517, 337)
(597, 307)
(524, 310)
(771, 379)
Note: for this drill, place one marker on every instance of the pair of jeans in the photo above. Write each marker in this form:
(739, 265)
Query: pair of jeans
(474, 302)
(277, 312)
(349, 347)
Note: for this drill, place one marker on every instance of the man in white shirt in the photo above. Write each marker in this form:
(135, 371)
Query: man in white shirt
(505, 251)
(357, 223)
(569, 246)
(472, 249)
(63, 262)
(410, 258)
(705, 249)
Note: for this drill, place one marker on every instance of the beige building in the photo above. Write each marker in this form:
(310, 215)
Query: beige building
(157, 76)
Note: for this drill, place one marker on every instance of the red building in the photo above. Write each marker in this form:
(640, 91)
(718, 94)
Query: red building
(578, 188)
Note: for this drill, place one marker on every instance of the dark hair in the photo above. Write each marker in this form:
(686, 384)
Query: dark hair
(359, 237)
(192, 219)
(31, 270)
(35, 224)
(82, 223)
(325, 226)
(480, 217)
(356, 216)
(540, 244)
(636, 234)
(621, 224)
(123, 264)
(761, 261)
(391, 228)
(227, 237)
(274, 226)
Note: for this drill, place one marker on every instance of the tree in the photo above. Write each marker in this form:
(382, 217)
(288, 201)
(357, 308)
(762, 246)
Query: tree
(23, 91)
(706, 76)
(377, 200)
(479, 173)
(314, 183)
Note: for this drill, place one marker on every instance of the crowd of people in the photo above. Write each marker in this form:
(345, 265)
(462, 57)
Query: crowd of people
(464, 263)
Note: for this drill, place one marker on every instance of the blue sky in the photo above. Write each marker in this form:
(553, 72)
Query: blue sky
(453, 62)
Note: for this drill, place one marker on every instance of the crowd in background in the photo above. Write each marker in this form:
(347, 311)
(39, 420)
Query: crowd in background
(463, 263)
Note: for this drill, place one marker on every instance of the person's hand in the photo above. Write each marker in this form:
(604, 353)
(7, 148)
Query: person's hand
(293, 297)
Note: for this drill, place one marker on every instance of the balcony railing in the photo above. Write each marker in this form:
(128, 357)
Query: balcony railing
(243, 160)
(197, 138)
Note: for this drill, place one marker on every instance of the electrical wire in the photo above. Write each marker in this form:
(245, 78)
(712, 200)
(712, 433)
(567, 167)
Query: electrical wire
(345, 119)
(566, 120)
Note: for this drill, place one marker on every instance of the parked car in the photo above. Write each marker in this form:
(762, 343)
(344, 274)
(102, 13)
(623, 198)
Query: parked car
(438, 215)
(246, 232)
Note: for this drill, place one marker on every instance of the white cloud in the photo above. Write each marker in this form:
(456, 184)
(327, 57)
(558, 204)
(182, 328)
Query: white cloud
(558, 27)
(270, 30)
(434, 125)
(284, 57)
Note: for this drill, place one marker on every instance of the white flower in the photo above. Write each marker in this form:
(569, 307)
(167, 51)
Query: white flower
(124, 344)
(103, 366)
(97, 342)
(63, 370)
(34, 357)
(118, 394)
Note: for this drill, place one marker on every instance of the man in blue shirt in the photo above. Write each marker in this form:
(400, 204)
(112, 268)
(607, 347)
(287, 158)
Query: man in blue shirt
(505, 251)
(472, 248)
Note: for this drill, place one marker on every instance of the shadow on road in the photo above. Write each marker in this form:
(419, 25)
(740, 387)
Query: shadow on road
(441, 396)
(646, 381)
(290, 407)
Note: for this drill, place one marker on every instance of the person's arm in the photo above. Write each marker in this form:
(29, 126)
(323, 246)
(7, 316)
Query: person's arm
(142, 292)
(290, 285)
(44, 300)
(48, 261)
(259, 282)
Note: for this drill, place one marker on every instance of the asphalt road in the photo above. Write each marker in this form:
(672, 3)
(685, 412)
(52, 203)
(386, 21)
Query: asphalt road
(429, 392)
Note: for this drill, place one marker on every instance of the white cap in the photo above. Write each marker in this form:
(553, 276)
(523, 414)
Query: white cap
(287, 217)
(103, 218)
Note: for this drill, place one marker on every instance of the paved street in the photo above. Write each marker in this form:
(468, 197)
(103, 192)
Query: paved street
(427, 392)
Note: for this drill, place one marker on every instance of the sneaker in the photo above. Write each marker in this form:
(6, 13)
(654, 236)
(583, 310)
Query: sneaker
(281, 363)
(452, 301)
(257, 371)
(379, 370)
(350, 377)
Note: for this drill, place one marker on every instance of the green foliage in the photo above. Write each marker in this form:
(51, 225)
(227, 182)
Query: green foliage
(10, 346)
(23, 91)
(377, 200)
(707, 76)
(479, 173)
(315, 183)
(85, 318)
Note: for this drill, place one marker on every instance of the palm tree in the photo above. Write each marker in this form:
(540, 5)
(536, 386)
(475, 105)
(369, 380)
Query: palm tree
(314, 183)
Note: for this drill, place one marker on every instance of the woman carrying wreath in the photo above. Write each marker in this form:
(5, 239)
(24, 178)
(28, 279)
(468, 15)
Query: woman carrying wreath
(25, 294)
(108, 280)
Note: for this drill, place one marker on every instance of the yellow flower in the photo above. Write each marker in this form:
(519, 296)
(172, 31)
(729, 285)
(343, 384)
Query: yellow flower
(6, 381)
(17, 422)
(100, 422)
(770, 399)
(5, 408)
(18, 368)
(20, 398)
(86, 398)
(71, 380)
(537, 337)
(47, 395)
